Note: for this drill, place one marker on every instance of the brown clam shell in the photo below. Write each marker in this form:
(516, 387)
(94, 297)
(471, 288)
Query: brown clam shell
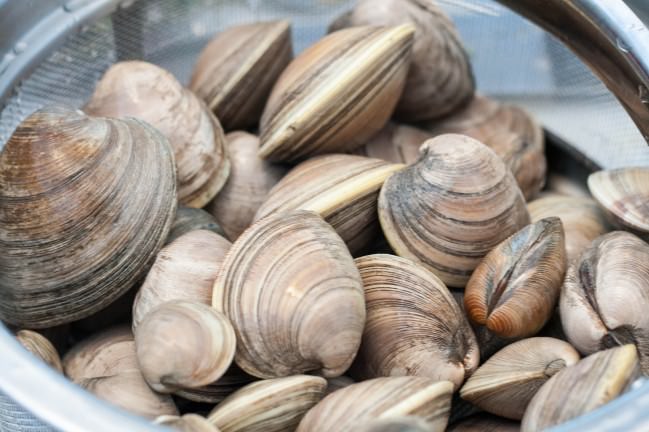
(41, 347)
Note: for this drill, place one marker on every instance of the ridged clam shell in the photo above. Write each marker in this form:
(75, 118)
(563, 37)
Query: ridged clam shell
(605, 296)
(85, 204)
(235, 72)
(515, 288)
(186, 423)
(485, 423)
(191, 219)
(343, 189)
(506, 383)
(581, 388)
(150, 93)
(41, 347)
(233, 379)
(273, 405)
(251, 179)
(413, 324)
(313, 312)
(451, 207)
(183, 270)
(337, 93)
(440, 79)
(381, 398)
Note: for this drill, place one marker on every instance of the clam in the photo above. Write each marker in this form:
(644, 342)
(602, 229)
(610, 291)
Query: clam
(396, 143)
(605, 296)
(338, 383)
(85, 204)
(272, 405)
(233, 379)
(451, 207)
(582, 220)
(381, 399)
(186, 423)
(251, 178)
(235, 72)
(515, 288)
(337, 93)
(506, 383)
(397, 424)
(343, 189)
(509, 131)
(183, 270)
(413, 324)
(41, 347)
(624, 194)
(582, 387)
(485, 423)
(182, 344)
(298, 268)
(150, 93)
(191, 219)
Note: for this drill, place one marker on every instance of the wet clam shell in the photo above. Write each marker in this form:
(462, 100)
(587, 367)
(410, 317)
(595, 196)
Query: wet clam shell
(41, 347)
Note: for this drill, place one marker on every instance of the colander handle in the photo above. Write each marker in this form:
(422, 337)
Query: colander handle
(609, 37)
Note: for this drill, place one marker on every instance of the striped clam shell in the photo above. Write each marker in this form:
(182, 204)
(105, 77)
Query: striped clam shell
(451, 207)
(233, 379)
(85, 204)
(343, 189)
(337, 93)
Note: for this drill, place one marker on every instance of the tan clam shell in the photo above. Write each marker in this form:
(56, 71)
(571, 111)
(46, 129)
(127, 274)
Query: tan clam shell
(85, 204)
(236, 70)
(251, 179)
(624, 194)
(506, 383)
(191, 219)
(150, 93)
(605, 296)
(381, 398)
(343, 189)
(397, 424)
(451, 207)
(413, 325)
(485, 423)
(314, 310)
(515, 288)
(272, 405)
(233, 379)
(186, 423)
(396, 143)
(581, 388)
(41, 347)
(582, 220)
(440, 79)
(183, 270)
(337, 93)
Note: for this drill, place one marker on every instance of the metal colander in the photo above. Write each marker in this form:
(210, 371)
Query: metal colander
(57, 50)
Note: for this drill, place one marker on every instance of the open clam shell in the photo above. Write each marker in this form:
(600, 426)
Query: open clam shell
(41, 347)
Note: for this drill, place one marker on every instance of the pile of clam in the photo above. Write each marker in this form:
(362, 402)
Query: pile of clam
(351, 239)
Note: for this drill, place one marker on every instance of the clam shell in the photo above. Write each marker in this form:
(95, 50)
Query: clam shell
(398, 424)
(191, 219)
(235, 72)
(338, 383)
(85, 204)
(337, 93)
(313, 313)
(396, 142)
(41, 347)
(624, 194)
(506, 383)
(186, 423)
(413, 324)
(564, 185)
(183, 270)
(382, 399)
(451, 207)
(485, 423)
(251, 179)
(343, 189)
(440, 79)
(233, 379)
(581, 388)
(150, 93)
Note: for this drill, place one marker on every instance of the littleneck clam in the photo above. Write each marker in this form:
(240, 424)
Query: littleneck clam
(298, 268)
(251, 178)
(41, 347)
(485, 423)
(605, 296)
(235, 72)
(624, 194)
(273, 405)
(150, 93)
(85, 204)
(413, 324)
(515, 288)
(505, 384)
(186, 423)
(337, 93)
(581, 388)
(396, 142)
(381, 398)
(182, 344)
(191, 219)
(233, 379)
(343, 189)
(183, 270)
(451, 207)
